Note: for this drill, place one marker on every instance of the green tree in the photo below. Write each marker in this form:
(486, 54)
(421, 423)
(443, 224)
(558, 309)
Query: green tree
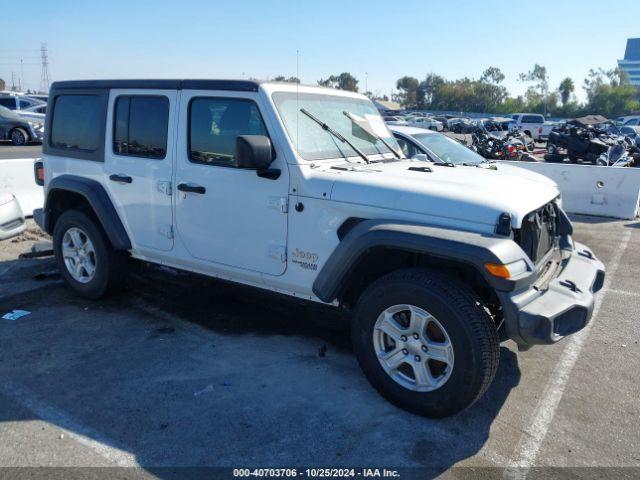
(427, 91)
(344, 81)
(282, 78)
(3, 85)
(609, 93)
(566, 88)
(537, 75)
(492, 75)
(408, 87)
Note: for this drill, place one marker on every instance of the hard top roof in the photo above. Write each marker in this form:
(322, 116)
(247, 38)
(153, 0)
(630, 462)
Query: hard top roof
(160, 84)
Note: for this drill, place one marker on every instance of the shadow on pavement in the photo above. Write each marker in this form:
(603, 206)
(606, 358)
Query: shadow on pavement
(174, 398)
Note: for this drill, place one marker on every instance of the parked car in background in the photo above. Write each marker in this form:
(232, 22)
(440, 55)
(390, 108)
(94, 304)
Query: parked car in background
(19, 102)
(426, 122)
(632, 121)
(533, 125)
(394, 120)
(42, 108)
(439, 148)
(36, 114)
(19, 130)
(12, 221)
(462, 125)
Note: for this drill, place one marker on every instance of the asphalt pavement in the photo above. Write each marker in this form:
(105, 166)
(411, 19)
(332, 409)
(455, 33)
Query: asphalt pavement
(8, 151)
(183, 371)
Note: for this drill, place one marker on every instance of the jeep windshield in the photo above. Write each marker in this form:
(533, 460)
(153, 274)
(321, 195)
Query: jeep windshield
(314, 143)
(448, 150)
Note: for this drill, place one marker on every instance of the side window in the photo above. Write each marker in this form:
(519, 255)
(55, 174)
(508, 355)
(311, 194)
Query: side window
(76, 123)
(8, 102)
(214, 124)
(140, 126)
(25, 104)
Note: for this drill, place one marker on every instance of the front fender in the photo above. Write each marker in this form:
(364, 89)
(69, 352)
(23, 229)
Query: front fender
(473, 249)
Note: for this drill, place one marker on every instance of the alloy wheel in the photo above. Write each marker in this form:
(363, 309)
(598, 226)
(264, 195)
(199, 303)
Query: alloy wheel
(413, 348)
(79, 255)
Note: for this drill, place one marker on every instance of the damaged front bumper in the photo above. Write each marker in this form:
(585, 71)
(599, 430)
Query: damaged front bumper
(562, 305)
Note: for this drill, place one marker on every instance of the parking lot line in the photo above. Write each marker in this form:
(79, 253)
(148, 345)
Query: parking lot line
(70, 426)
(624, 292)
(533, 436)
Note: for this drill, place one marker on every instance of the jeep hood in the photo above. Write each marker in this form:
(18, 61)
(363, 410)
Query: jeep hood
(468, 194)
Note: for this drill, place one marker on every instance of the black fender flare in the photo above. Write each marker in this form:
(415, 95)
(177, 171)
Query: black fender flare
(469, 248)
(98, 199)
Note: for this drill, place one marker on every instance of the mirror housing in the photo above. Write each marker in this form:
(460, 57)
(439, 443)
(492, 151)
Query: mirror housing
(253, 152)
(422, 157)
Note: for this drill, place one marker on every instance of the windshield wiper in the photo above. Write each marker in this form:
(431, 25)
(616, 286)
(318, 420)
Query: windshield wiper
(335, 134)
(350, 116)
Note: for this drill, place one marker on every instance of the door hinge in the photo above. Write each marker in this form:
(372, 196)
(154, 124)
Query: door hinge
(278, 252)
(279, 203)
(164, 187)
(167, 231)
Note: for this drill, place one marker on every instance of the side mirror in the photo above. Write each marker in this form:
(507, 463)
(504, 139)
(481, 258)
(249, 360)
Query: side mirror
(422, 157)
(253, 152)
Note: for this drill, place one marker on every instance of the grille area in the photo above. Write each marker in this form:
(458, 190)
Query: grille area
(538, 232)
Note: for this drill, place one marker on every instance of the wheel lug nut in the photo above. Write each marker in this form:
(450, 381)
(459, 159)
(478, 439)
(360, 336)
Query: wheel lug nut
(416, 336)
(424, 349)
(403, 338)
(405, 351)
(417, 357)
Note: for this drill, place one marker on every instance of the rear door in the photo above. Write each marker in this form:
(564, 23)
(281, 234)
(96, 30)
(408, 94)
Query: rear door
(139, 158)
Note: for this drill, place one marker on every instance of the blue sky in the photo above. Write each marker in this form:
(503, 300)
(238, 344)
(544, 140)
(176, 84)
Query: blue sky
(250, 38)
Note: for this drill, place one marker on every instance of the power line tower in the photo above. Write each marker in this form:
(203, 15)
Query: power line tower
(44, 76)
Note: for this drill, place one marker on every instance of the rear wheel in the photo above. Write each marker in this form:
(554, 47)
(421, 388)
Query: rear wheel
(85, 257)
(425, 342)
(19, 137)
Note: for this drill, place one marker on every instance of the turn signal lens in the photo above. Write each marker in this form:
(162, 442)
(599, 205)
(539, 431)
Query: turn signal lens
(509, 270)
(497, 270)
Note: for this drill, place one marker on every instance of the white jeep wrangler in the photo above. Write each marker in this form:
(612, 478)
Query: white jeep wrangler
(303, 191)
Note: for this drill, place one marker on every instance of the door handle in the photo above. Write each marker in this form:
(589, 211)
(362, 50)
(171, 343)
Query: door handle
(120, 178)
(185, 187)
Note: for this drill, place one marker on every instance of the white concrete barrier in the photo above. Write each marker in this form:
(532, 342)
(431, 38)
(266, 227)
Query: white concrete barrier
(16, 176)
(591, 190)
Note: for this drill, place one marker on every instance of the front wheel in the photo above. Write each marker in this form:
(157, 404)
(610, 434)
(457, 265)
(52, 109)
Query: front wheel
(425, 342)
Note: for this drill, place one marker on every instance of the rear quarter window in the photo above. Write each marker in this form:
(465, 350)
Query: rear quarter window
(76, 123)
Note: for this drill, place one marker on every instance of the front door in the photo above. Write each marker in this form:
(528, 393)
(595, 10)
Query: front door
(224, 214)
(139, 163)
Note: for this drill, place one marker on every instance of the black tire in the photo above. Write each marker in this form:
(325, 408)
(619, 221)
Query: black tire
(471, 331)
(109, 264)
(19, 137)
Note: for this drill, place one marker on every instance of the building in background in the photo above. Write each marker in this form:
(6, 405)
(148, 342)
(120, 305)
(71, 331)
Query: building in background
(631, 62)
